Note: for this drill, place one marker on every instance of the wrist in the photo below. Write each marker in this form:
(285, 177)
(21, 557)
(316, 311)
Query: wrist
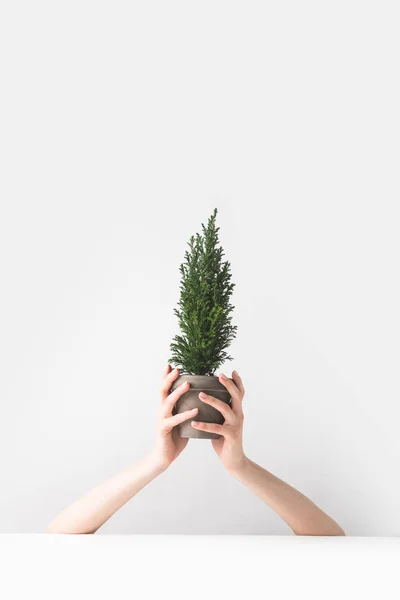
(239, 467)
(156, 463)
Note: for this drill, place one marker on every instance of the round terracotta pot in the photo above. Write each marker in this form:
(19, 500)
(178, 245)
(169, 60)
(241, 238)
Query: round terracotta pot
(190, 399)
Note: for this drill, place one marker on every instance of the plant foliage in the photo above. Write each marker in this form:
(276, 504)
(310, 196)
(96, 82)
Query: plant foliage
(204, 310)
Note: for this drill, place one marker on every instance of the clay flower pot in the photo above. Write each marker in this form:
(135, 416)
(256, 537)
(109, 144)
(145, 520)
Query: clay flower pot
(190, 399)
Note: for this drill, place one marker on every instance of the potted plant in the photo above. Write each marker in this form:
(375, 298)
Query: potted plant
(205, 319)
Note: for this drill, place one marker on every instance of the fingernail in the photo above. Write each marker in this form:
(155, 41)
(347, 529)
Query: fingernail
(194, 410)
(235, 372)
(184, 384)
(194, 423)
(203, 395)
(222, 376)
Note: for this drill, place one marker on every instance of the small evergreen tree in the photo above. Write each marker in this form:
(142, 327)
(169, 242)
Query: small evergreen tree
(204, 309)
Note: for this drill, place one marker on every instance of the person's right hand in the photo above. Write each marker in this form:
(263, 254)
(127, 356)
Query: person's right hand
(168, 444)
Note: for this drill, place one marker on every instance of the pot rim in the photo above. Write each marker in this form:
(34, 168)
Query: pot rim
(196, 382)
(199, 376)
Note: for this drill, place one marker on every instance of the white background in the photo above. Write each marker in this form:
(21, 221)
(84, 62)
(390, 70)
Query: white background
(122, 125)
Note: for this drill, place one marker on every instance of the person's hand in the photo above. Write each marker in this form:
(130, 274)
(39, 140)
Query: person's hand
(168, 444)
(229, 446)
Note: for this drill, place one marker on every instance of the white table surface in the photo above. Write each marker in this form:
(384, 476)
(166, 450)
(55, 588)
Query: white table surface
(152, 566)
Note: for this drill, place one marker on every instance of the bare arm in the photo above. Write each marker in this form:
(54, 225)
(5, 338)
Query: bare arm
(300, 513)
(89, 513)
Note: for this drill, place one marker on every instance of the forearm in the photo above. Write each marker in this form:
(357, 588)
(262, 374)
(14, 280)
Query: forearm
(300, 513)
(91, 511)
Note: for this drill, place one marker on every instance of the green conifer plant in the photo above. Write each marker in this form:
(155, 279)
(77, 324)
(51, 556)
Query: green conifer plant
(204, 315)
(204, 310)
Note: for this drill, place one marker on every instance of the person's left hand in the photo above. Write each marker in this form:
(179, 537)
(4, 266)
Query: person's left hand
(229, 446)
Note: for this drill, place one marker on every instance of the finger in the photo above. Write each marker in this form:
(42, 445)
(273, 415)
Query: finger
(167, 382)
(166, 370)
(209, 427)
(222, 407)
(233, 390)
(238, 382)
(170, 422)
(173, 397)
